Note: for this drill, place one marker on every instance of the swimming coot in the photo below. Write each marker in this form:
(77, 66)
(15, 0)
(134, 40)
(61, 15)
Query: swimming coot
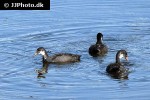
(99, 48)
(58, 58)
(117, 70)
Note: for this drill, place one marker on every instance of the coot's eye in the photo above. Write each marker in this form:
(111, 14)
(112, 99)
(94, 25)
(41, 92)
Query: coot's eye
(38, 49)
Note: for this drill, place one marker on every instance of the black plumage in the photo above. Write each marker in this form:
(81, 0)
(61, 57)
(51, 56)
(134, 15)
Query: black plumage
(117, 70)
(58, 58)
(99, 48)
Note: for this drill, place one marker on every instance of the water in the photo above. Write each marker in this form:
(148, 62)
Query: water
(71, 26)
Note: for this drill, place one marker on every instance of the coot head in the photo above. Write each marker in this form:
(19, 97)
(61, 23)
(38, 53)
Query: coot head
(122, 54)
(99, 37)
(41, 51)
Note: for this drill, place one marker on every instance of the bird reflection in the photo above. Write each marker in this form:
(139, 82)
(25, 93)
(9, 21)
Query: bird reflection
(43, 70)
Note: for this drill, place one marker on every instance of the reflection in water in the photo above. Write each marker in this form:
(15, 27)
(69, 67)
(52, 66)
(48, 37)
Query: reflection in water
(123, 84)
(43, 70)
(100, 59)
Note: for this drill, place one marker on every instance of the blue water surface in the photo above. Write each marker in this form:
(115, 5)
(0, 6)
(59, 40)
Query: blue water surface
(71, 26)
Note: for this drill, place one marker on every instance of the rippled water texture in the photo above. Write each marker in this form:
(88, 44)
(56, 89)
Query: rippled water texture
(71, 26)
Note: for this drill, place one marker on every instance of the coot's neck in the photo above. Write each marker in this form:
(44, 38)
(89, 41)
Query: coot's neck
(45, 55)
(117, 58)
(99, 40)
